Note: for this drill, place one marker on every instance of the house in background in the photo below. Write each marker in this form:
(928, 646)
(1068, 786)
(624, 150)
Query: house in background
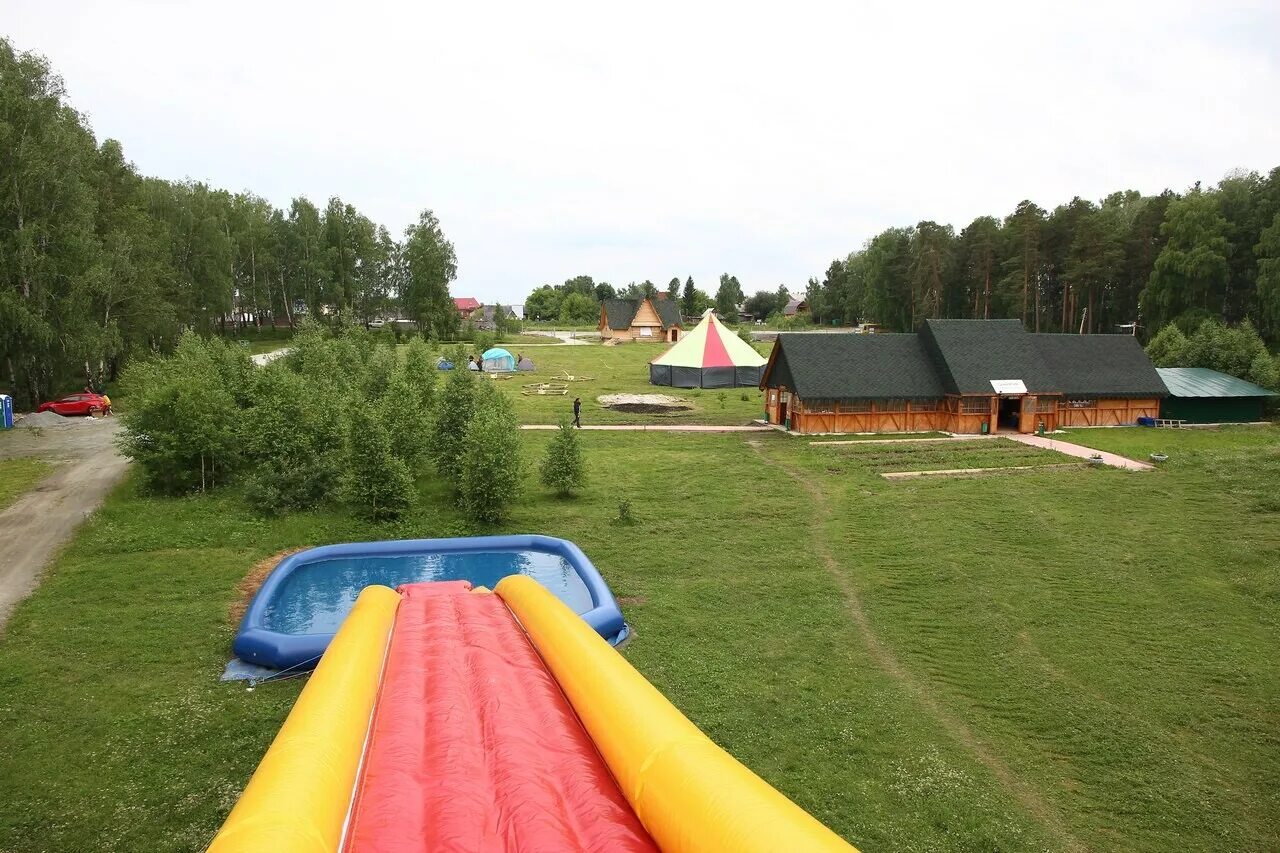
(486, 317)
(794, 307)
(656, 319)
(466, 306)
(964, 376)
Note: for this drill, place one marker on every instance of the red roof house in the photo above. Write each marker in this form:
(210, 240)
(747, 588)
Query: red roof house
(466, 306)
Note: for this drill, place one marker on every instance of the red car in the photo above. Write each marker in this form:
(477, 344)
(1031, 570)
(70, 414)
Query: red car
(74, 405)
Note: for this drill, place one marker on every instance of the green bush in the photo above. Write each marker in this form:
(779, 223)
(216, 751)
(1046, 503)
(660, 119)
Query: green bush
(1235, 350)
(181, 422)
(376, 484)
(562, 467)
(489, 476)
(292, 443)
(454, 408)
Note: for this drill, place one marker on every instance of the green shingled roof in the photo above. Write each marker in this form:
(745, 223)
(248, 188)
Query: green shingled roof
(1099, 365)
(971, 353)
(1203, 382)
(840, 366)
(960, 357)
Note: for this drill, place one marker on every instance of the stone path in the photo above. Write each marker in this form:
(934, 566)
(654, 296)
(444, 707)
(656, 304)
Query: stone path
(1070, 449)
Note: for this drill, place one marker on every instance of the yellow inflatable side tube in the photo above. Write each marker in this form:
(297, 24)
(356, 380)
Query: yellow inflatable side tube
(298, 798)
(690, 794)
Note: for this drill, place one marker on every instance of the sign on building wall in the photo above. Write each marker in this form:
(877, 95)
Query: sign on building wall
(1009, 386)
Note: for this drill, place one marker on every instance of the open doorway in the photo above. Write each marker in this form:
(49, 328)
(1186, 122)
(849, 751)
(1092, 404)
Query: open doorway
(1009, 417)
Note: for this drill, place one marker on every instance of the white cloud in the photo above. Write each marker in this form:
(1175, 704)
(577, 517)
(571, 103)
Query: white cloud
(671, 138)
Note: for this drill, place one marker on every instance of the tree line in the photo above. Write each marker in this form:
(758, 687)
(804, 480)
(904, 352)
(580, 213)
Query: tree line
(98, 262)
(578, 299)
(1210, 253)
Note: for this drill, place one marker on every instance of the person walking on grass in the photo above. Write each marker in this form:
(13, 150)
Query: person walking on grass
(577, 412)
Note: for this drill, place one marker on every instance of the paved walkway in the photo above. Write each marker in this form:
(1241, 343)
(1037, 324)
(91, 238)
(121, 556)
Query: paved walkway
(656, 428)
(1076, 450)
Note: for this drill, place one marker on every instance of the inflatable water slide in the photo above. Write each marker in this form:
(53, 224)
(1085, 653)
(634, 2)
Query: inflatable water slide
(449, 718)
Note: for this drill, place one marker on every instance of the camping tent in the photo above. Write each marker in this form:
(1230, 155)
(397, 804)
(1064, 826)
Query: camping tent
(444, 364)
(497, 360)
(710, 356)
(525, 363)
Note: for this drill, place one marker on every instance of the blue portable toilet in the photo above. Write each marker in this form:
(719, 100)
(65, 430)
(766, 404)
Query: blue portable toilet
(6, 411)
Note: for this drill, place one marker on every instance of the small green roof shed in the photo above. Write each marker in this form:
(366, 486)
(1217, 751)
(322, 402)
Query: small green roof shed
(1199, 395)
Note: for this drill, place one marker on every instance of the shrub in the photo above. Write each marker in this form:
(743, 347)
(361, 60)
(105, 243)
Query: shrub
(1168, 347)
(452, 417)
(484, 342)
(292, 443)
(562, 467)
(378, 368)
(180, 425)
(624, 512)
(419, 371)
(489, 476)
(1238, 351)
(407, 421)
(376, 484)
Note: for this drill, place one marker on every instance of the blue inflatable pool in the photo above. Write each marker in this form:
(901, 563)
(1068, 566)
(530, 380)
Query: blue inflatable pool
(301, 604)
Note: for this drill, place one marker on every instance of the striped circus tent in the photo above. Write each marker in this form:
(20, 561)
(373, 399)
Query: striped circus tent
(710, 356)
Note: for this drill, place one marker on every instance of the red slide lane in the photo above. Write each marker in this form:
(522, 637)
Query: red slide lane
(473, 747)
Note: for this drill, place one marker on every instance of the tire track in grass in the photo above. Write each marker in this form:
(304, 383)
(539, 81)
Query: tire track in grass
(1024, 792)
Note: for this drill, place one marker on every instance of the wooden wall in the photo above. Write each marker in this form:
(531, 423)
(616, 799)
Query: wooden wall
(1115, 411)
(952, 414)
(846, 416)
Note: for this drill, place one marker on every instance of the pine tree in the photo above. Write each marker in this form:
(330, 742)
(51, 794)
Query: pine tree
(562, 467)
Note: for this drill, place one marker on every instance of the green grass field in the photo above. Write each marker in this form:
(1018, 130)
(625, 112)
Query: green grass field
(616, 370)
(18, 476)
(1067, 659)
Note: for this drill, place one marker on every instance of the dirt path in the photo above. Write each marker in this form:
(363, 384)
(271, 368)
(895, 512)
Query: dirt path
(40, 522)
(1025, 793)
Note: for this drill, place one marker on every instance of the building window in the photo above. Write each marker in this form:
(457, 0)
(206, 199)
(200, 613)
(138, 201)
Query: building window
(646, 331)
(820, 406)
(1047, 404)
(854, 407)
(975, 405)
(891, 405)
(926, 405)
(1082, 403)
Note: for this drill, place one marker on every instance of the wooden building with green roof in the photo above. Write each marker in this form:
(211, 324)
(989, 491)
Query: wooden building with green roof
(1198, 395)
(963, 376)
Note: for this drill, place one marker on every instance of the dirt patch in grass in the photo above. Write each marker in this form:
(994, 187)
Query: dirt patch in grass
(648, 408)
(644, 404)
(251, 582)
(632, 600)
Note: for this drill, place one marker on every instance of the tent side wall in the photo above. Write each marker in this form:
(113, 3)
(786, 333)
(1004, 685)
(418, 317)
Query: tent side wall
(1213, 410)
(704, 377)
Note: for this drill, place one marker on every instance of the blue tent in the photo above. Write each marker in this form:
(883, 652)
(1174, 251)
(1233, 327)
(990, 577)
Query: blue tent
(444, 364)
(498, 360)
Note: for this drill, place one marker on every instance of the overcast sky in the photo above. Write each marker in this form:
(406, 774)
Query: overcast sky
(670, 139)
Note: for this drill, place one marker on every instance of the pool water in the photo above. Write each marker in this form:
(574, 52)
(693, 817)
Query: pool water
(317, 596)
